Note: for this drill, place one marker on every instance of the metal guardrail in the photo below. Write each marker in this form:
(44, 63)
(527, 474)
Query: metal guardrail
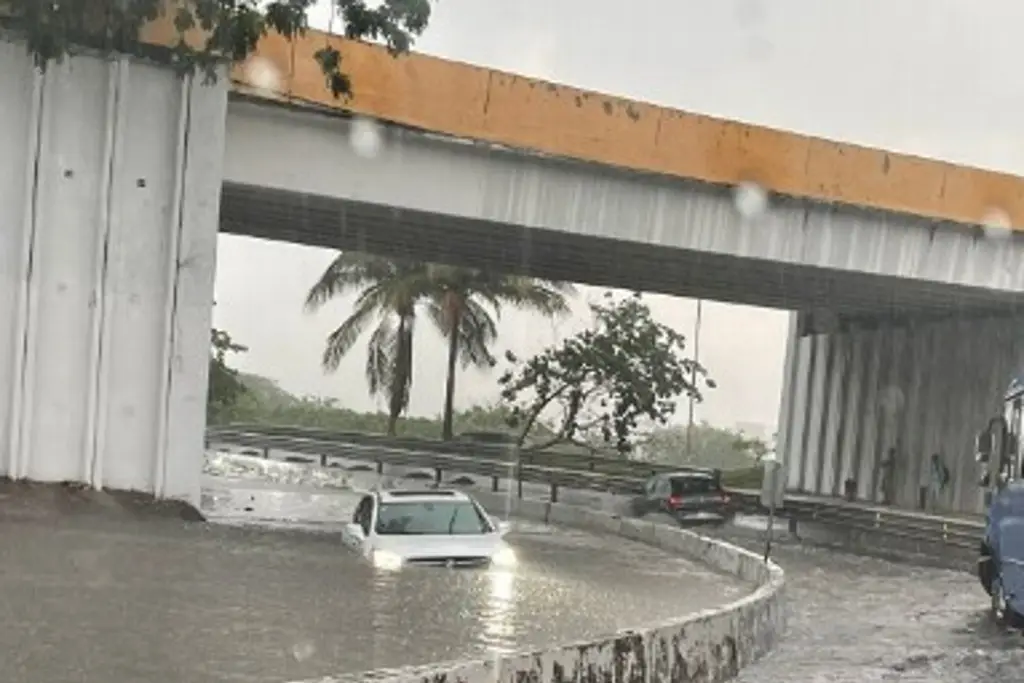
(326, 450)
(576, 471)
(475, 449)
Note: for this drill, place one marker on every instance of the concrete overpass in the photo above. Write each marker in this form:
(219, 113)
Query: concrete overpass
(117, 175)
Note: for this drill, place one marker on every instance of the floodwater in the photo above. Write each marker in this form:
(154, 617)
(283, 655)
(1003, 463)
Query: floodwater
(108, 596)
(857, 619)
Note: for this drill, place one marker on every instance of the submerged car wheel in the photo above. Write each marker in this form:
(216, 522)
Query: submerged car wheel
(1003, 613)
(986, 568)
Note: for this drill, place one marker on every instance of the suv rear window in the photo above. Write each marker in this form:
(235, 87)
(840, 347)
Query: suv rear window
(688, 486)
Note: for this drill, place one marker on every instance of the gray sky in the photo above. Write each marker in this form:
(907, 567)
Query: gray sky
(938, 78)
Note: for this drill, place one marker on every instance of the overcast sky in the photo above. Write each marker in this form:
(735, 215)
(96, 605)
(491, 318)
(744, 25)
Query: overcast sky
(938, 78)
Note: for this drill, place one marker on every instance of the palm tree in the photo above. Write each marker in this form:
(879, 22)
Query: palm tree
(461, 306)
(389, 292)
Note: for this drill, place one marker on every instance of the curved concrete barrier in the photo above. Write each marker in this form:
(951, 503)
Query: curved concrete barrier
(712, 645)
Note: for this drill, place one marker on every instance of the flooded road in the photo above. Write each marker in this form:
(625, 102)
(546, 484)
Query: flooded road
(92, 593)
(859, 620)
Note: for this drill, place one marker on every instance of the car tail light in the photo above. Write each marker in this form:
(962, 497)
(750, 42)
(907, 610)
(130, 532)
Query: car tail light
(675, 501)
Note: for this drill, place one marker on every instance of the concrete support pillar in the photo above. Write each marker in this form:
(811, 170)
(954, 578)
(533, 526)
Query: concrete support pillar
(110, 176)
(854, 399)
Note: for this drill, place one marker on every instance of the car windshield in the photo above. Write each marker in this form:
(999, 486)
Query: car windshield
(683, 486)
(431, 517)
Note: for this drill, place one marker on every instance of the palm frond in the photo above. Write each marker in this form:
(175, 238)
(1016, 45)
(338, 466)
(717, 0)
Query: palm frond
(344, 337)
(349, 271)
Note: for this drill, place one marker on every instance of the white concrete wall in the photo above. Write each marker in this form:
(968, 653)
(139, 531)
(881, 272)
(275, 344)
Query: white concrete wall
(922, 388)
(110, 175)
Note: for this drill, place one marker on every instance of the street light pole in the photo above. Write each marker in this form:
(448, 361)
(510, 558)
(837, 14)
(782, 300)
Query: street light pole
(693, 379)
(769, 487)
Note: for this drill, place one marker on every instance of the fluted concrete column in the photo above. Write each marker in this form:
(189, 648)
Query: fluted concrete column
(110, 176)
(855, 398)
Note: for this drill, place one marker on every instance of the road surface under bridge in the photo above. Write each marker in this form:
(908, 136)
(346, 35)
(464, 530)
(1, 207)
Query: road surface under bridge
(852, 618)
(882, 257)
(100, 592)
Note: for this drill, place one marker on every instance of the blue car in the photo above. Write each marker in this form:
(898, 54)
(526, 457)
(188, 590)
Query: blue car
(1001, 565)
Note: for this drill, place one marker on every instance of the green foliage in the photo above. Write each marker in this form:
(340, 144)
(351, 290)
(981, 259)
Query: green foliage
(608, 380)
(389, 292)
(264, 402)
(708, 446)
(230, 28)
(463, 303)
(225, 385)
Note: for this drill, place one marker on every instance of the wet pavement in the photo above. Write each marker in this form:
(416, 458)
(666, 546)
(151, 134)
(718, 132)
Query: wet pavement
(858, 619)
(97, 592)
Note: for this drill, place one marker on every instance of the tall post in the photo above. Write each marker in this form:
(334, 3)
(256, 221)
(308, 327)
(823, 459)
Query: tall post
(693, 379)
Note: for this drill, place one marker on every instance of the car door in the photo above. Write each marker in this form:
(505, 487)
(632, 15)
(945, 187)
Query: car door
(642, 503)
(660, 494)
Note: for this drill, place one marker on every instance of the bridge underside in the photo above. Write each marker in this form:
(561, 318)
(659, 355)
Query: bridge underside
(831, 298)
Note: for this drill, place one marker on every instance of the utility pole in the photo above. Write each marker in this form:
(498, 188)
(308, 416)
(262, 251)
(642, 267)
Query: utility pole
(693, 379)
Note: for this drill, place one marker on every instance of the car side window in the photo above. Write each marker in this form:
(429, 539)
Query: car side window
(363, 513)
(663, 488)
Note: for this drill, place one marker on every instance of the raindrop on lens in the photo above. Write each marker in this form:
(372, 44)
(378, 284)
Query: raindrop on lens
(263, 75)
(750, 199)
(303, 651)
(365, 137)
(890, 400)
(996, 224)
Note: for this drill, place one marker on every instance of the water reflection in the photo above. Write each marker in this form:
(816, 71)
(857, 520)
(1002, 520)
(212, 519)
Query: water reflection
(498, 631)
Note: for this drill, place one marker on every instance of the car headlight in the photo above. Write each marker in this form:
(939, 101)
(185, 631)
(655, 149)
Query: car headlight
(384, 559)
(505, 557)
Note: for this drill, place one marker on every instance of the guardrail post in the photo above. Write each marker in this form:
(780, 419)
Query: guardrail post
(519, 483)
(494, 484)
(380, 467)
(266, 453)
(323, 460)
(438, 475)
(554, 493)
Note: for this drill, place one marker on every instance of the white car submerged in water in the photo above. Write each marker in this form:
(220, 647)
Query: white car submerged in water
(433, 527)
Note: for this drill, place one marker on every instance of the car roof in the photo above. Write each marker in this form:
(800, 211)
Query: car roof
(421, 495)
(690, 475)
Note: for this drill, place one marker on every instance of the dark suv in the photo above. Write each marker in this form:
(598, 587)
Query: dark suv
(690, 497)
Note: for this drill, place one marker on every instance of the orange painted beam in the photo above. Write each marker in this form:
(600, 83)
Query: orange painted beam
(483, 104)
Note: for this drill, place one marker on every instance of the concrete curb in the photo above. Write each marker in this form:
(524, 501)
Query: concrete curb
(712, 645)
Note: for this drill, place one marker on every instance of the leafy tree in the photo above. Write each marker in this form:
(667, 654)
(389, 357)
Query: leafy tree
(465, 305)
(225, 386)
(389, 291)
(264, 402)
(210, 33)
(627, 369)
